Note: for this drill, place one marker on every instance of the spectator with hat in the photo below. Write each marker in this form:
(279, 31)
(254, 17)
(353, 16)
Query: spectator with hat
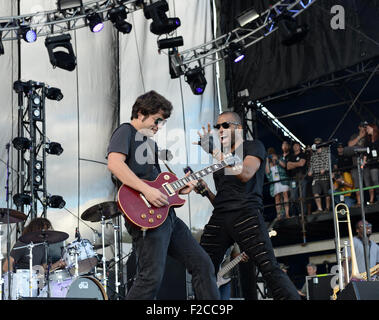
(319, 170)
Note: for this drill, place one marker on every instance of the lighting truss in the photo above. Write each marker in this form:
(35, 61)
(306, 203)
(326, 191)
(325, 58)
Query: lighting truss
(56, 22)
(261, 27)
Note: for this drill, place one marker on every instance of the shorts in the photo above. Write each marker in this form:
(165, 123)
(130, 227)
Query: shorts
(320, 186)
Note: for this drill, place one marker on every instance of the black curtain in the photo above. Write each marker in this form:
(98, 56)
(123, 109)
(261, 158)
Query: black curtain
(270, 67)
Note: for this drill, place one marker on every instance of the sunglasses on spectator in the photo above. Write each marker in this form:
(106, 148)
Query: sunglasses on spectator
(160, 122)
(367, 226)
(225, 125)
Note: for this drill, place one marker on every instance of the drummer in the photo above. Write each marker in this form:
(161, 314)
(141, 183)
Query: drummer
(19, 259)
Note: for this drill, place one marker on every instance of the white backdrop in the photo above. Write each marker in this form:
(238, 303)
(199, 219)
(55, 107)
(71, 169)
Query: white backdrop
(84, 120)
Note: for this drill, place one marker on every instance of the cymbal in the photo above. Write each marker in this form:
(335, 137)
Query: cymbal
(107, 209)
(14, 216)
(50, 236)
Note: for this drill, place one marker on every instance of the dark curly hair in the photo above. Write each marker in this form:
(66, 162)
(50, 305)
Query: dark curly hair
(151, 103)
(37, 224)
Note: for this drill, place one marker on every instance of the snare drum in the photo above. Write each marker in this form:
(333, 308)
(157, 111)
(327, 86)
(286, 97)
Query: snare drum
(87, 257)
(60, 275)
(81, 287)
(20, 284)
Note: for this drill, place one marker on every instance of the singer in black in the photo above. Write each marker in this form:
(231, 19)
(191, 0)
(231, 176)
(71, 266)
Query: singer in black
(238, 206)
(132, 156)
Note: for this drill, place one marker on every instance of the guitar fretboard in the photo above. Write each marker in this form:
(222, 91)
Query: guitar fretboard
(230, 265)
(181, 183)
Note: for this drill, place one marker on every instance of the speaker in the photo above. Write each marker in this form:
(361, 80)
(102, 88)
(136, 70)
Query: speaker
(173, 286)
(319, 287)
(360, 290)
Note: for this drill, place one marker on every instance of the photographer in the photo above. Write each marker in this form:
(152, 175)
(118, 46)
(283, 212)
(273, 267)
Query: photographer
(342, 181)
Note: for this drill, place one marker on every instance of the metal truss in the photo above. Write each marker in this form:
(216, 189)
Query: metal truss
(265, 24)
(56, 22)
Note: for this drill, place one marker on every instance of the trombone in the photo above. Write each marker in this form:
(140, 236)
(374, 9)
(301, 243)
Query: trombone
(343, 210)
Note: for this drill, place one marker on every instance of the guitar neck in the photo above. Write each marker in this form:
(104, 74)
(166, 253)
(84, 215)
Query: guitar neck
(230, 265)
(181, 183)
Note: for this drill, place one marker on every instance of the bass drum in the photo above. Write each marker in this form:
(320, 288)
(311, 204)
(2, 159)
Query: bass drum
(76, 288)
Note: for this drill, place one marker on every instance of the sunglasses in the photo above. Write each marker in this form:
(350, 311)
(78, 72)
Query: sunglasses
(225, 125)
(160, 122)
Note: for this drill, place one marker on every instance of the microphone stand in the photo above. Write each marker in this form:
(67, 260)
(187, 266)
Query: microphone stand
(365, 239)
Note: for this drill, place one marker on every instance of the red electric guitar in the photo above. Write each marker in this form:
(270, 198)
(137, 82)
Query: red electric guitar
(141, 213)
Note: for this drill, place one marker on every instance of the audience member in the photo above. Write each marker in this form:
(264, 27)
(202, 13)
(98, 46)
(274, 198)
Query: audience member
(319, 170)
(276, 172)
(358, 140)
(371, 164)
(296, 167)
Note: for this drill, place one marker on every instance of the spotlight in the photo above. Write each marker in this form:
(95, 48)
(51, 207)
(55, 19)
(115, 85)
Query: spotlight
(69, 4)
(195, 78)
(236, 51)
(161, 23)
(21, 143)
(290, 30)
(56, 202)
(54, 94)
(38, 173)
(21, 199)
(247, 17)
(95, 22)
(118, 15)
(61, 59)
(54, 148)
(170, 43)
(28, 34)
(175, 60)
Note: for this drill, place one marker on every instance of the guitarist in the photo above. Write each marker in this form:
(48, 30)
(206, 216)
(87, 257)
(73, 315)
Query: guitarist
(238, 206)
(132, 156)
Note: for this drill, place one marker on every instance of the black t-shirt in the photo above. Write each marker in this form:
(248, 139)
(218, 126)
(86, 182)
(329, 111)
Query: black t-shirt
(373, 156)
(233, 194)
(344, 163)
(141, 152)
(299, 171)
(21, 256)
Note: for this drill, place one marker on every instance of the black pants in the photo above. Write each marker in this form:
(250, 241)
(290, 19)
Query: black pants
(248, 230)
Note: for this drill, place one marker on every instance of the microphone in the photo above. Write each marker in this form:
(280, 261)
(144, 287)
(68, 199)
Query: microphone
(351, 151)
(324, 144)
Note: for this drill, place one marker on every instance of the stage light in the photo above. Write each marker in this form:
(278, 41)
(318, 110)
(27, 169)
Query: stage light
(236, 51)
(247, 17)
(28, 34)
(290, 30)
(21, 199)
(21, 143)
(195, 78)
(38, 173)
(95, 22)
(175, 60)
(68, 4)
(58, 58)
(54, 148)
(54, 94)
(170, 43)
(56, 202)
(161, 23)
(118, 15)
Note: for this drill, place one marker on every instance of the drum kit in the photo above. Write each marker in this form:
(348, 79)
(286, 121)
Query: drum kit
(79, 279)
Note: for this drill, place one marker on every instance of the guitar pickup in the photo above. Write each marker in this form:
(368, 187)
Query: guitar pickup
(168, 188)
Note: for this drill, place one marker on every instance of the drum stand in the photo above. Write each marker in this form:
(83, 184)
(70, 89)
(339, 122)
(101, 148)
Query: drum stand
(103, 259)
(116, 258)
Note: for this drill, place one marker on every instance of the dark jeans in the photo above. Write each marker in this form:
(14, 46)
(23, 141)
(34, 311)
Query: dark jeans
(248, 229)
(174, 238)
(295, 195)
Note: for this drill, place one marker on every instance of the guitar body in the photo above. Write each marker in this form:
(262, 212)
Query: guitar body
(139, 212)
